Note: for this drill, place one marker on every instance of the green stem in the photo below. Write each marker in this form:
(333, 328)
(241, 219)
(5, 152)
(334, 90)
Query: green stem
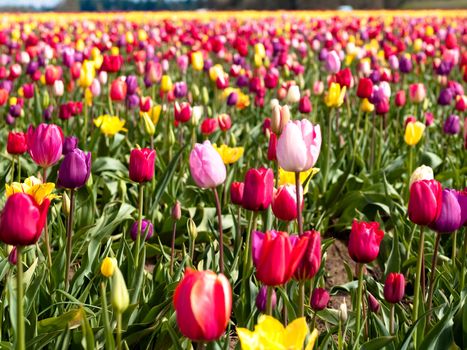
(418, 281)
(46, 229)
(140, 223)
(454, 248)
(301, 298)
(119, 330)
(12, 174)
(19, 168)
(299, 211)
(109, 342)
(270, 290)
(251, 227)
(20, 336)
(172, 250)
(221, 235)
(69, 238)
(432, 273)
(464, 257)
(391, 319)
(358, 301)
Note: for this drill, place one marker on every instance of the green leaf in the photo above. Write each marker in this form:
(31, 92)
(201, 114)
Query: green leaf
(71, 319)
(378, 343)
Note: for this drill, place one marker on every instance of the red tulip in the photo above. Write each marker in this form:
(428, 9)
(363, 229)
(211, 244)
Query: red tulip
(311, 260)
(112, 64)
(22, 220)
(17, 143)
(304, 105)
(272, 156)
(344, 77)
(400, 98)
(365, 88)
(236, 192)
(208, 126)
(394, 287)
(224, 121)
(142, 164)
(203, 303)
(118, 90)
(364, 241)
(145, 103)
(425, 201)
(182, 112)
(259, 185)
(3, 96)
(52, 74)
(276, 255)
(284, 202)
(319, 299)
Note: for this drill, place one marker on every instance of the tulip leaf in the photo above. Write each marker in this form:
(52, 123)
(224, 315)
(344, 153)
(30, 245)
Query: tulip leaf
(378, 343)
(71, 319)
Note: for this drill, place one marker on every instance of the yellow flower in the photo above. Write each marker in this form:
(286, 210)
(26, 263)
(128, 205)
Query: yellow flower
(413, 133)
(366, 106)
(34, 187)
(335, 95)
(260, 50)
(288, 177)
(166, 83)
(109, 125)
(270, 334)
(88, 97)
(197, 60)
(155, 113)
(142, 35)
(108, 266)
(148, 124)
(216, 71)
(229, 154)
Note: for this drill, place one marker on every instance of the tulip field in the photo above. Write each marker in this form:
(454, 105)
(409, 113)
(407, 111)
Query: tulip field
(233, 180)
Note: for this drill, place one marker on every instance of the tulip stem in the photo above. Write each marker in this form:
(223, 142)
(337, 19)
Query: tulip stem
(328, 152)
(391, 319)
(172, 251)
(454, 248)
(299, 205)
(432, 274)
(358, 302)
(221, 235)
(119, 330)
(464, 257)
(12, 173)
(301, 298)
(140, 224)
(20, 340)
(418, 281)
(270, 290)
(251, 227)
(46, 228)
(109, 342)
(19, 168)
(69, 238)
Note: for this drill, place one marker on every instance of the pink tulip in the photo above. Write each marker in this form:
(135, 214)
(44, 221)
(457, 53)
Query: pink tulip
(45, 144)
(417, 92)
(299, 145)
(206, 166)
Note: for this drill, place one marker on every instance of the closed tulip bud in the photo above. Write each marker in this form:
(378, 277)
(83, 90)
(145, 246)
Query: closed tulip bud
(318, 87)
(118, 90)
(258, 190)
(366, 106)
(177, 211)
(205, 95)
(224, 121)
(22, 219)
(206, 315)
(284, 202)
(108, 266)
(16, 143)
(232, 99)
(272, 148)
(236, 192)
(293, 94)
(423, 172)
(271, 80)
(280, 118)
(45, 101)
(417, 92)
(28, 90)
(413, 132)
(13, 256)
(45, 144)
(197, 61)
(452, 125)
(171, 137)
(141, 167)
(394, 287)
(343, 312)
(365, 88)
(382, 106)
(206, 166)
(146, 228)
(149, 126)
(276, 255)
(192, 230)
(304, 106)
(319, 299)
(311, 260)
(119, 293)
(450, 217)
(182, 112)
(65, 204)
(425, 201)
(445, 97)
(58, 88)
(332, 62)
(261, 299)
(166, 83)
(209, 126)
(373, 304)
(298, 146)
(75, 169)
(344, 77)
(400, 98)
(364, 241)
(196, 114)
(180, 89)
(461, 103)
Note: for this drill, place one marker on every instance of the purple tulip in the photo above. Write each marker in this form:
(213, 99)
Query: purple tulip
(180, 89)
(462, 199)
(452, 125)
(450, 218)
(445, 97)
(405, 64)
(232, 99)
(261, 299)
(69, 144)
(131, 84)
(47, 113)
(146, 226)
(444, 68)
(319, 299)
(132, 101)
(75, 169)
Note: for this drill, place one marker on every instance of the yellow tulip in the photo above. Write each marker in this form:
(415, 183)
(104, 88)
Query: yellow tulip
(142, 35)
(148, 124)
(260, 50)
(270, 334)
(34, 187)
(229, 154)
(155, 113)
(88, 97)
(413, 133)
(130, 39)
(335, 95)
(166, 83)
(108, 266)
(288, 177)
(197, 60)
(114, 51)
(417, 45)
(216, 71)
(429, 31)
(366, 106)
(258, 60)
(119, 293)
(109, 125)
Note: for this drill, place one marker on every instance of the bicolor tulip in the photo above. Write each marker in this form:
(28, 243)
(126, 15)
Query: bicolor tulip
(417, 92)
(423, 172)
(284, 202)
(258, 189)
(45, 144)
(141, 167)
(75, 169)
(364, 241)
(118, 90)
(425, 201)
(203, 303)
(182, 112)
(206, 166)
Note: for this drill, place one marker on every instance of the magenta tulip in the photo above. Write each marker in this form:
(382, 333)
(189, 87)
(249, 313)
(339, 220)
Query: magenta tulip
(364, 241)
(45, 144)
(142, 164)
(258, 189)
(284, 202)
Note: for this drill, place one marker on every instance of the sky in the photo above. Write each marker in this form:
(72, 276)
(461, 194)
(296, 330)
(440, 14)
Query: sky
(29, 3)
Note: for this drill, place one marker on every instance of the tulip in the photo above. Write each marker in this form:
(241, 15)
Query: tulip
(421, 173)
(413, 133)
(141, 167)
(335, 95)
(382, 107)
(293, 94)
(166, 83)
(109, 125)
(417, 92)
(258, 189)
(228, 154)
(400, 98)
(425, 202)
(108, 266)
(146, 227)
(276, 256)
(344, 78)
(333, 62)
(462, 199)
(209, 126)
(16, 143)
(284, 202)
(304, 106)
(118, 90)
(365, 88)
(272, 147)
(119, 295)
(461, 103)
(364, 241)
(182, 112)
(180, 89)
(373, 304)
(405, 64)
(236, 192)
(449, 219)
(45, 144)
(452, 125)
(445, 97)
(319, 299)
(318, 87)
(298, 146)
(279, 119)
(224, 121)
(13, 256)
(261, 299)
(394, 288)
(311, 260)
(206, 166)
(75, 169)
(197, 60)
(199, 296)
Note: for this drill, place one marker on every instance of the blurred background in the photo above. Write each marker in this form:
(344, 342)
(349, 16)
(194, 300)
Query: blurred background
(147, 5)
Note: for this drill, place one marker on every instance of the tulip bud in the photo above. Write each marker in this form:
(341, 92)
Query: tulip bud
(171, 137)
(108, 266)
(45, 99)
(319, 299)
(452, 125)
(192, 230)
(394, 287)
(177, 211)
(119, 294)
(364, 241)
(12, 257)
(280, 117)
(373, 304)
(236, 192)
(343, 312)
(293, 94)
(65, 204)
(261, 299)
(205, 95)
(423, 172)
(146, 228)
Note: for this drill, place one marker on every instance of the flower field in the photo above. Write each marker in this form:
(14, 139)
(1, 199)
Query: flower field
(201, 180)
